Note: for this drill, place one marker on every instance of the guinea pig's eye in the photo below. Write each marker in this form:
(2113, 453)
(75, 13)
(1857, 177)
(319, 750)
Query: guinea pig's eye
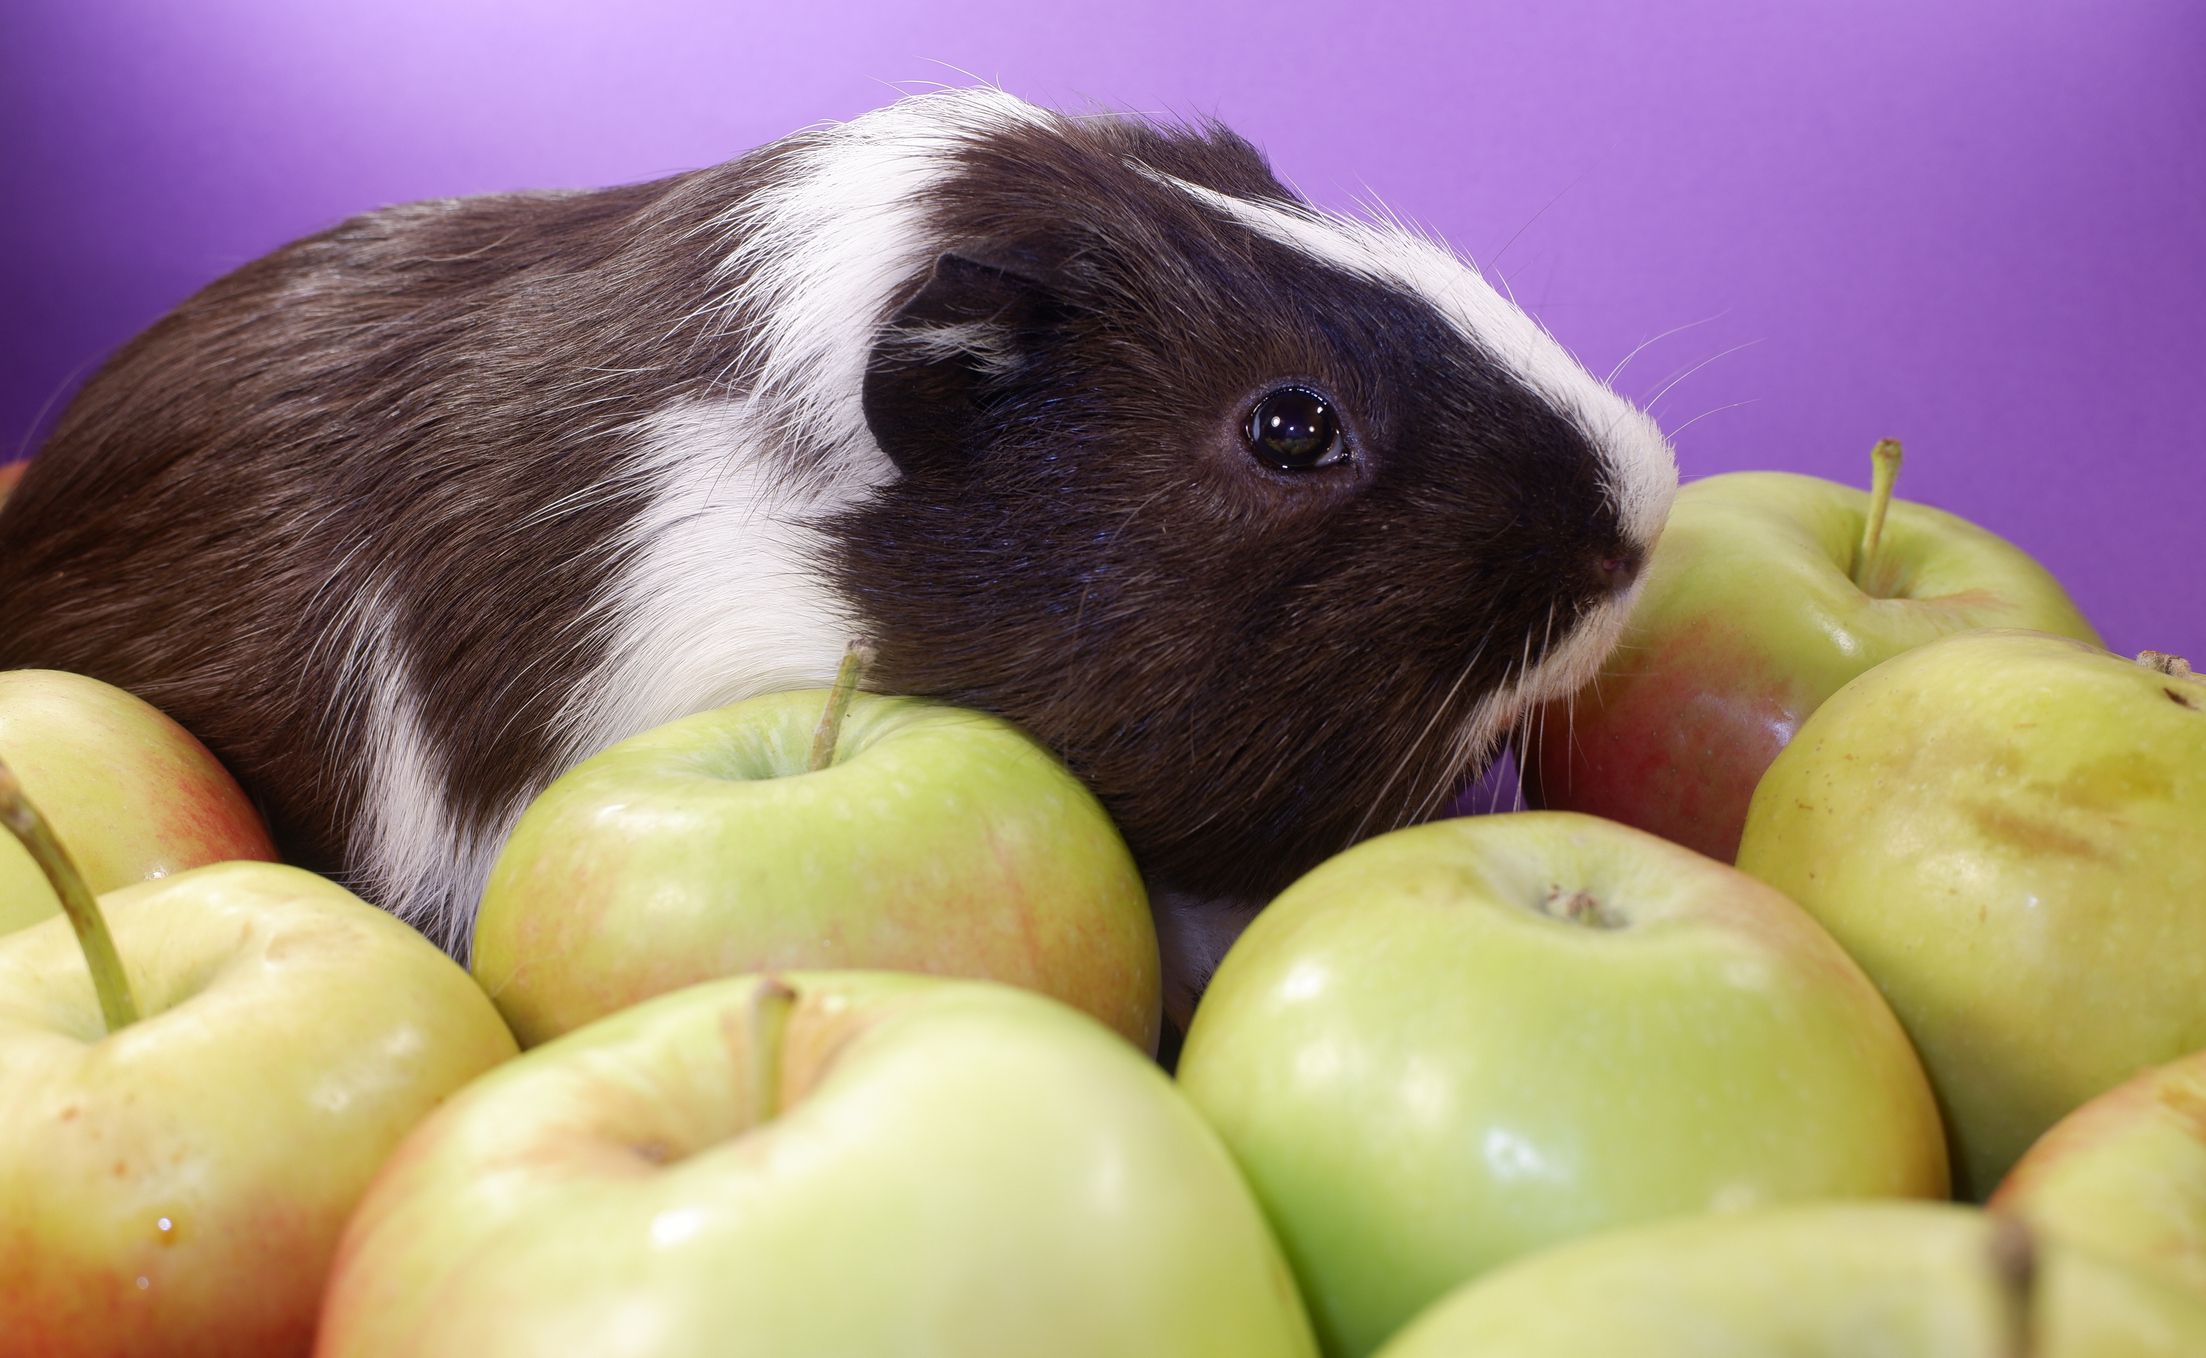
(1295, 429)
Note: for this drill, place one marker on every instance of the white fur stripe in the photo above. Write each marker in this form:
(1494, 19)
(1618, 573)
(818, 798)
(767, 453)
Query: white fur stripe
(722, 598)
(416, 862)
(1643, 469)
(719, 595)
(817, 256)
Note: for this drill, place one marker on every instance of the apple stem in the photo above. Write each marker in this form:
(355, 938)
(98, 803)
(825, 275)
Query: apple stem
(855, 661)
(2014, 1272)
(118, 1007)
(2173, 666)
(769, 1022)
(1885, 463)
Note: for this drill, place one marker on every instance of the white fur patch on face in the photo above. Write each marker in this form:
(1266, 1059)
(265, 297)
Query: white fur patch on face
(1642, 468)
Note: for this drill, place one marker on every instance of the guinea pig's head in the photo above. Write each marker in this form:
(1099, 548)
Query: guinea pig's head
(1270, 523)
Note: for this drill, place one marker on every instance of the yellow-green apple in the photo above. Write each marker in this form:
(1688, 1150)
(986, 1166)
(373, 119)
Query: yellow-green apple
(184, 1131)
(922, 838)
(2126, 1174)
(1834, 1280)
(131, 793)
(1459, 1043)
(817, 1165)
(1767, 593)
(2008, 831)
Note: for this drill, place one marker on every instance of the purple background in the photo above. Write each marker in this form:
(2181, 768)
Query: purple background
(1978, 225)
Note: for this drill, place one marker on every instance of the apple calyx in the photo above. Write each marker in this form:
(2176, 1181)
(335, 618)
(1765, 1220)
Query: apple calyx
(2013, 1256)
(769, 1024)
(855, 661)
(1580, 907)
(1884, 460)
(118, 1007)
(2173, 666)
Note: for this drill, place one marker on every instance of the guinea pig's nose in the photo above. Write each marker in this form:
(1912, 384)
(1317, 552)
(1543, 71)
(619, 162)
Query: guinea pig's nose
(1617, 570)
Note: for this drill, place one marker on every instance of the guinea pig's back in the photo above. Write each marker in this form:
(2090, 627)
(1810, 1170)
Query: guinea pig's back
(313, 475)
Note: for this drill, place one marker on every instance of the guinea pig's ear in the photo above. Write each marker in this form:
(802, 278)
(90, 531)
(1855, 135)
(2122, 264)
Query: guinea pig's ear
(970, 324)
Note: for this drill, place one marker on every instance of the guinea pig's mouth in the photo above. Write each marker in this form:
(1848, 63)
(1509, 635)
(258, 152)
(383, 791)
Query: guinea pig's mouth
(1509, 713)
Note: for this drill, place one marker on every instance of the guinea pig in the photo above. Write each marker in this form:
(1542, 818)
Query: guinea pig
(1269, 522)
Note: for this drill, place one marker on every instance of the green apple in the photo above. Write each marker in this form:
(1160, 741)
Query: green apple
(1459, 1043)
(1835, 1280)
(2126, 1174)
(937, 840)
(2008, 831)
(183, 1135)
(1767, 593)
(131, 793)
(817, 1166)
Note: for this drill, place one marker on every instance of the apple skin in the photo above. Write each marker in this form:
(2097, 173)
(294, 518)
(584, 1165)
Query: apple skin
(130, 793)
(2125, 1175)
(1425, 1073)
(940, 841)
(909, 1165)
(1748, 620)
(1836, 1280)
(291, 1035)
(2004, 829)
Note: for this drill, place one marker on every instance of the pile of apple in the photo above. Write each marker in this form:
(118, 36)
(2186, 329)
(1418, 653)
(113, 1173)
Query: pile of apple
(839, 1010)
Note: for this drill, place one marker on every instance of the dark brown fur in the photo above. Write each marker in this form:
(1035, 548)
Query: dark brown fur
(1250, 667)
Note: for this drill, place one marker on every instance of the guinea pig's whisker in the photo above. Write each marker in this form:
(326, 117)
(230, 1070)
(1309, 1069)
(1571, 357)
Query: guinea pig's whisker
(1706, 413)
(1570, 732)
(1678, 377)
(1625, 361)
(1386, 789)
(1463, 737)
(1496, 261)
(46, 408)
(1519, 733)
(1521, 728)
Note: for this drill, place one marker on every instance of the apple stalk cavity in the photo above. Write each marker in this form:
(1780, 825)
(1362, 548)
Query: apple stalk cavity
(1581, 907)
(1454, 1046)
